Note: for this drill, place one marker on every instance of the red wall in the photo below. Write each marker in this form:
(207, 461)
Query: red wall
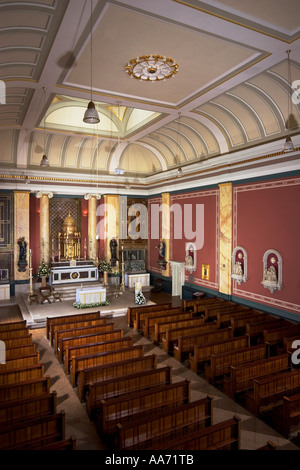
(266, 216)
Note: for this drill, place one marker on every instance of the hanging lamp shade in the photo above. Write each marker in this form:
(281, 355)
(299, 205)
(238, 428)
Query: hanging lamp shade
(91, 115)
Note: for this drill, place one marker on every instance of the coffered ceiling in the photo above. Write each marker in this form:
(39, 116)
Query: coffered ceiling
(227, 104)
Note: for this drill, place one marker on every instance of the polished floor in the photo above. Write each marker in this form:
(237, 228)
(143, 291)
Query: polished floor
(254, 432)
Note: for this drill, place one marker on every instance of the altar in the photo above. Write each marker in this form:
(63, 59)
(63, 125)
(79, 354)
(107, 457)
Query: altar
(91, 295)
(73, 271)
(132, 279)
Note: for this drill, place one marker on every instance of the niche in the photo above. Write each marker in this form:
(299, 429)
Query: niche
(239, 265)
(272, 270)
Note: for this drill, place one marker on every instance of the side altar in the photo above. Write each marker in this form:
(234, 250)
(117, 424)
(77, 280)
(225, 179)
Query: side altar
(73, 271)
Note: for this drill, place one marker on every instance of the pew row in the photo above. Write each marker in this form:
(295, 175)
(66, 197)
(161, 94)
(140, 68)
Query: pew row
(18, 325)
(24, 389)
(119, 386)
(155, 430)
(33, 433)
(241, 377)
(160, 328)
(67, 344)
(135, 315)
(99, 359)
(220, 436)
(286, 417)
(20, 361)
(147, 325)
(269, 391)
(68, 318)
(109, 371)
(220, 364)
(70, 325)
(93, 348)
(31, 407)
(170, 338)
(202, 352)
(22, 374)
(255, 331)
(140, 404)
(186, 344)
(85, 330)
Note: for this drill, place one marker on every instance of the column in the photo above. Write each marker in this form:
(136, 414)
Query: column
(111, 225)
(225, 240)
(21, 233)
(92, 248)
(44, 225)
(165, 229)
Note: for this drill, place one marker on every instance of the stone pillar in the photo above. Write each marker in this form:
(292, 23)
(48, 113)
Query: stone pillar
(44, 225)
(111, 225)
(225, 243)
(21, 232)
(92, 248)
(165, 229)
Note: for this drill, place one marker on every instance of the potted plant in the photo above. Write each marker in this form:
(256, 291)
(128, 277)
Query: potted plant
(105, 268)
(43, 272)
(140, 298)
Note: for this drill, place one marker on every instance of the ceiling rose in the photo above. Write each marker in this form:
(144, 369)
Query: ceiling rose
(152, 67)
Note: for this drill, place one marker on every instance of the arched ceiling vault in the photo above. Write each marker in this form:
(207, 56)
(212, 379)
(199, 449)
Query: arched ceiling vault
(232, 91)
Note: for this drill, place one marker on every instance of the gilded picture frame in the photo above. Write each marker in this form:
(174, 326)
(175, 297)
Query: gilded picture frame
(205, 271)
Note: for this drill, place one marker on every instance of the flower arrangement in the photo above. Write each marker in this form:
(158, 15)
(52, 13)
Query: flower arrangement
(104, 266)
(43, 270)
(140, 298)
(93, 304)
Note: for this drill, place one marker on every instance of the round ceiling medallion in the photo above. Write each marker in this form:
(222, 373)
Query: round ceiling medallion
(152, 67)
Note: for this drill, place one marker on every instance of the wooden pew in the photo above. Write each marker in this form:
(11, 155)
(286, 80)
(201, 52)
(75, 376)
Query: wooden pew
(211, 311)
(132, 311)
(85, 330)
(66, 444)
(202, 352)
(150, 318)
(186, 344)
(27, 408)
(268, 446)
(14, 334)
(270, 390)
(220, 436)
(286, 417)
(171, 336)
(94, 374)
(79, 332)
(160, 328)
(93, 348)
(274, 337)
(140, 404)
(118, 386)
(74, 324)
(22, 324)
(68, 318)
(20, 361)
(255, 331)
(220, 363)
(25, 389)
(238, 324)
(152, 431)
(23, 374)
(33, 433)
(67, 344)
(136, 314)
(20, 341)
(100, 359)
(241, 377)
(224, 316)
(22, 350)
(196, 305)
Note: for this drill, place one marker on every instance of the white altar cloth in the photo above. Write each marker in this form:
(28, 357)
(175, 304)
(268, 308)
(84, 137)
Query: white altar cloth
(91, 295)
(132, 279)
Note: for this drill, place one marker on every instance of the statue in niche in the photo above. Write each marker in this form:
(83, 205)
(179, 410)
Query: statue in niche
(22, 263)
(161, 254)
(270, 274)
(113, 251)
(238, 269)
